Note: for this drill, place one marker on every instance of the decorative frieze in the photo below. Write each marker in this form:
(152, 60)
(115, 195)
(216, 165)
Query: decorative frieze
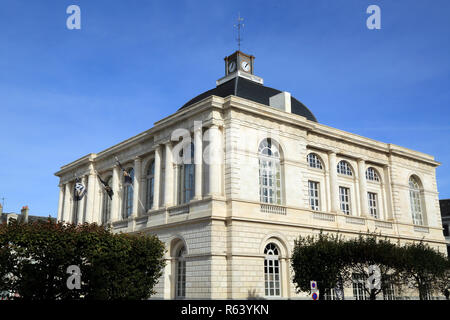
(270, 208)
(324, 216)
(355, 220)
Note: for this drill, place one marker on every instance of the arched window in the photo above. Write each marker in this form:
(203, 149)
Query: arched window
(269, 172)
(150, 184)
(180, 269)
(314, 161)
(372, 175)
(343, 167)
(128, 196)
(272, 283)
(106, 205)
(415, 200)
(186, 175)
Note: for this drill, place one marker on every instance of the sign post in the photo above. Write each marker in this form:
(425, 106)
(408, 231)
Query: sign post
(314, 290)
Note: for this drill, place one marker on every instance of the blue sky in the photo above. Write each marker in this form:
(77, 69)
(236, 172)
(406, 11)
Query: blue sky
(66, 93)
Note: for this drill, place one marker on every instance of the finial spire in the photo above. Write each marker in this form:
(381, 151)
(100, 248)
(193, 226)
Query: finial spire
(239, 25)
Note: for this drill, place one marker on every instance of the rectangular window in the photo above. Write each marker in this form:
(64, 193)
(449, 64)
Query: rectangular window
(186, 183)
(314, 195)
(272, 277)
(344, 196)
(389, 289)
(416, 207)
(270, 181)
(181, 279)
(372, 198)
(329, 294)
(358, 287)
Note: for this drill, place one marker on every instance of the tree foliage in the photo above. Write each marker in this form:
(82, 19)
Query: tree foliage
(34, 259)
(331, 261)
(320, 258)
(423, 268)
(366, 251)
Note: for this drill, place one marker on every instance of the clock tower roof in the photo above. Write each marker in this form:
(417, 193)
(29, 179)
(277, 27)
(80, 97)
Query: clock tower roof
(240, 81)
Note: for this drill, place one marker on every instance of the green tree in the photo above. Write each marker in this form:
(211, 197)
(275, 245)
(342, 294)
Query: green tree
(321, 258)
(443, 281)
(366, 251)
(34, 259)
(422, 268)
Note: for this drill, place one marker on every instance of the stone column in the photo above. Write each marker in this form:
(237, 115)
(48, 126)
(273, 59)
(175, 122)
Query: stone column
(382, 203)
(334, 188)
(136, 185)
(157, 181)
(60, 202)
(327, 197)
(215, 160)
(363, 188)
(66, 212)
(90, 195)
(177, 197)
(198, 160)
(115, 212)
(168, 183)
(81, 203)
(388, 193)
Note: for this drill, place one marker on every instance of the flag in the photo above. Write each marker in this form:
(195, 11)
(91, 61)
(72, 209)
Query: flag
(79, 190)
(126, 176)
(107, 188)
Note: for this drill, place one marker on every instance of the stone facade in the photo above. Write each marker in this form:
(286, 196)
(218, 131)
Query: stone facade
(445, 213)
(225, 227)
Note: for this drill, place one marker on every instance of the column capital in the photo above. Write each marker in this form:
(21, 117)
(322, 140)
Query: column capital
(332, 151)
(91, 169)
(214, 124)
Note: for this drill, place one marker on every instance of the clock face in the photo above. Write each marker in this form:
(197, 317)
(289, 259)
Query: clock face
(232, 66)
(245, 66)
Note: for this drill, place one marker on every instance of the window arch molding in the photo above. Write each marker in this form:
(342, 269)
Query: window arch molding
(175, 243)
(278, 239)
(312, 157)
(345, 168)
(373, 175)
(418, 178)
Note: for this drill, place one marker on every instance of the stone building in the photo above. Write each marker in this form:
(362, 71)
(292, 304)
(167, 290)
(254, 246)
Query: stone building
(240, 171)
(445, 213)
(6, 217)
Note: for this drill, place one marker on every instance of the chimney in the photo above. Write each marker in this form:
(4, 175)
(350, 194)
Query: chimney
(24, 214)
(281, 101)
(1, 209)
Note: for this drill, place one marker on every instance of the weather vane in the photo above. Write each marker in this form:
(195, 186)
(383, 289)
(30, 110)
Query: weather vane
(239, 25)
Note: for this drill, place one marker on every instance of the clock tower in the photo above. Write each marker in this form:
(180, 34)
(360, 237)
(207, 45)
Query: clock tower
(239, 64)
(239, 61)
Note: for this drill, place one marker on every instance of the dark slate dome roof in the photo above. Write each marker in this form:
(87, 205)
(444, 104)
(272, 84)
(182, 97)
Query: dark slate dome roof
(253, 91)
